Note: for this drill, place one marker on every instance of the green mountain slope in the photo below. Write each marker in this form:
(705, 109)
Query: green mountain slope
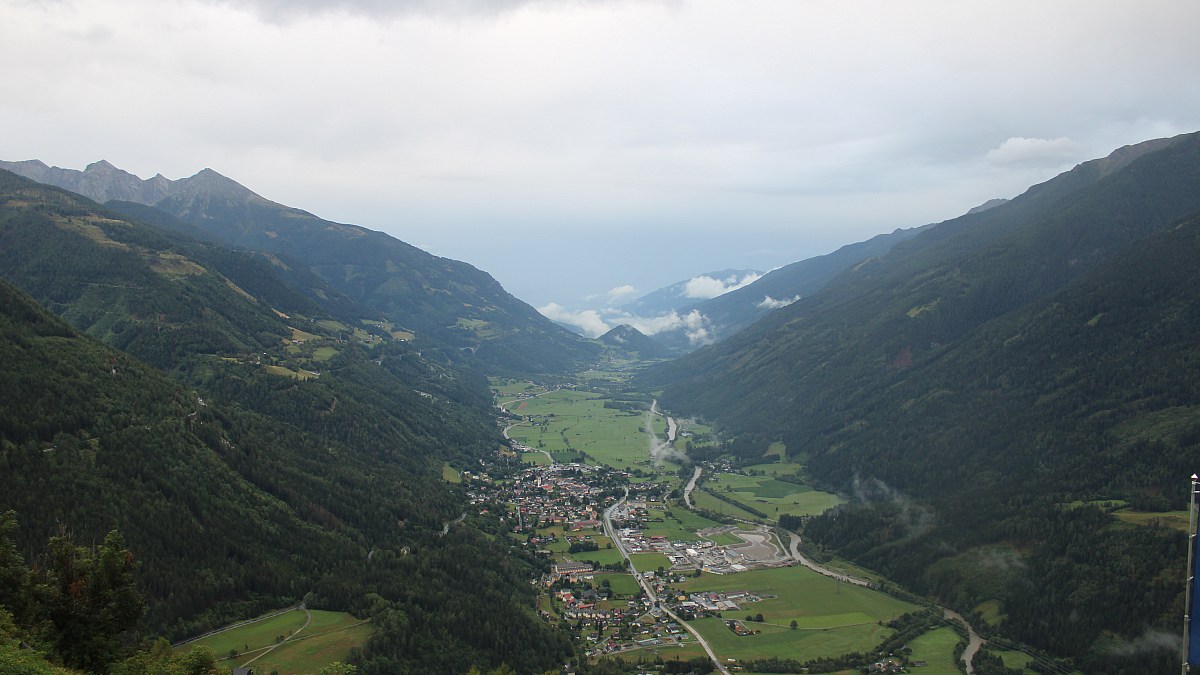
(296, 457)
(447, 301)
(900, 309)
(978, 376)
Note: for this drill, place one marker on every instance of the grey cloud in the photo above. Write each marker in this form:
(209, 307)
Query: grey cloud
(283, 10)
(1019, 150)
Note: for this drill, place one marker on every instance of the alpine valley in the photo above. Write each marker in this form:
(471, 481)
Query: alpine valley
(254, 408)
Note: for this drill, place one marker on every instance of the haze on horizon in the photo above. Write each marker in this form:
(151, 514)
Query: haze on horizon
(585, 152)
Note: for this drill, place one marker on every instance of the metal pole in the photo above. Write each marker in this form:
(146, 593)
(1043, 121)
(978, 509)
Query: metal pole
(1187, 614)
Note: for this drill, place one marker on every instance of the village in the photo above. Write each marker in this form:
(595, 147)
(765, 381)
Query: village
(595, 576)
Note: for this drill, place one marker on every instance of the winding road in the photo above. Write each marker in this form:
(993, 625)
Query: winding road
(795, 549)
(612, 533)
(505, 430)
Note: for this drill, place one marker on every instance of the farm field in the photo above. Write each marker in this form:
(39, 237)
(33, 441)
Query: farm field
(782, 642)
(710, 503)
(773, 497)
(602, 557)
(680, 524)
(622, 585)
(649, 561)
(832, 618)
(567, 420)
(328, 638)
(936, 649)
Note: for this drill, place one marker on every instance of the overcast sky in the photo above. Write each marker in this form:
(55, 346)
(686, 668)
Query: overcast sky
(573, 147)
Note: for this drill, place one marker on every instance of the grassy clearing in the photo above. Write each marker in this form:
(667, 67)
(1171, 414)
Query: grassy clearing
(1013, 659)
(302, 336)
(300, 374)
(936, 648)
(257, 635)
(991, 611)
(329, 638)
(449, 474)
(777, 468)
(1176, 520)
(324, 353)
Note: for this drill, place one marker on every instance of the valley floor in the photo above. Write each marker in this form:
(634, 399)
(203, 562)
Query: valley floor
(654, 562)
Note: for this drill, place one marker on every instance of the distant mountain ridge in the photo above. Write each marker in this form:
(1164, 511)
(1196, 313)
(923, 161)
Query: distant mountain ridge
(629, 340)
(445, 300)
(688, 292)
(100, 181)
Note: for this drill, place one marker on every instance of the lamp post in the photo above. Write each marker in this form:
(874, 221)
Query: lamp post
(1191, 578)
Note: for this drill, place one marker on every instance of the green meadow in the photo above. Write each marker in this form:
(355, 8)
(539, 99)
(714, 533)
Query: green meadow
(936, 648)
(327, 638)
(782, 642)
(772, 496)
(648, 562)
(680, 524)
(567, 421)
(622, 585)
(832, 618)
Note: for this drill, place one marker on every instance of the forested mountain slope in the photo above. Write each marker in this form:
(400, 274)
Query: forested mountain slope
(445, 300)
(977, 377)
(294, 457)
